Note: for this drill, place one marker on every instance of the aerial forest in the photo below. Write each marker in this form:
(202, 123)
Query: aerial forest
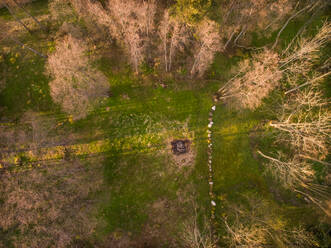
(165, 124)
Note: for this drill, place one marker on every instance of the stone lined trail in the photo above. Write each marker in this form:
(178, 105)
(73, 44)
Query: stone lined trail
(216, 98)
(211, 182)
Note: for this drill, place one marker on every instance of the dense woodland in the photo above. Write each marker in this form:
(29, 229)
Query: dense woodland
(93, 92)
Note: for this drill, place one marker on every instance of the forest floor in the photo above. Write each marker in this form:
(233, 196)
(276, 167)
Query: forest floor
(146, 196)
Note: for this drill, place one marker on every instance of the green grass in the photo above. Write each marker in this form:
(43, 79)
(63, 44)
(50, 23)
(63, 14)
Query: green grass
(24, 72)
(135, 181)
(27, 85)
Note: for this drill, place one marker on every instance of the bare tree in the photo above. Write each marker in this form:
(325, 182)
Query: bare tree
(209, 43)
(127, 21)
(304, 124)
(307, 7)
(77, 86)
(309, 137)
(257, 77)
(307, 49)
(174, 36)
(298, 175)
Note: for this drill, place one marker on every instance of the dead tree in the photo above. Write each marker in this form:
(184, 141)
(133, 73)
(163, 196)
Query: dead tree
(174, 36)
(76, 85)
(194, 236)
(209, 42)
(256, 78)
(298, 175)
(129, 22)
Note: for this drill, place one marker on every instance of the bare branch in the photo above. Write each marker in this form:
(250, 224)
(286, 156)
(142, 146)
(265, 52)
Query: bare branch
(309, 82)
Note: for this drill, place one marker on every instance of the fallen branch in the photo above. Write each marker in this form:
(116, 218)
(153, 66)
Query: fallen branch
(287, 22)
(25, 11)
(29, 48)
(316, 160)
(299, 32)
(18, 20)
(309, 82)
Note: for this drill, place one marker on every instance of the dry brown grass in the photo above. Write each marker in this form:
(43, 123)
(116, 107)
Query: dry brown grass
(59, 9)
(76, 85)
(12, 3)
(196, 236)
(51, 206)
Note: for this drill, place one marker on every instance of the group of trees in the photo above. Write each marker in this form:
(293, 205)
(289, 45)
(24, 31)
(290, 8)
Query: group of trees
(303, 118)
(302, 133)
(129, 22)
(148, 32)
(142, 25)
(181, 34)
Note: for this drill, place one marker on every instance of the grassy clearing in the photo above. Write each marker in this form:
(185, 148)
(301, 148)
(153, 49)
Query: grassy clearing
(141, 115)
